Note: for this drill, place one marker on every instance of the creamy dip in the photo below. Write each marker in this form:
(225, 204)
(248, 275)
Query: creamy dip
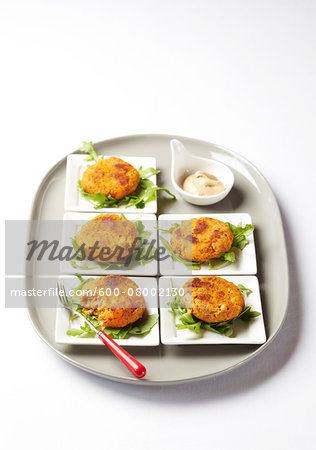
(202, 183)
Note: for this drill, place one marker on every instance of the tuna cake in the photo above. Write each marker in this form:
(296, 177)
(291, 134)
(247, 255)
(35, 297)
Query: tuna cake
(111, 176)
(200, 240)
(114, 233)
(112, 310)
(212, 299)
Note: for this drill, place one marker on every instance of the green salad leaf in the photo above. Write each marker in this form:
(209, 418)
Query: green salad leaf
(142, 232)
(240, 234)
(140, 328)
(82, 280)
(143, 325)
(243, 289)
(171, 229)
(247, 314)
(73, 317)
(147, 173)
(229, 256)
(85, 331)
(190, 322)
(75, 332)
(87, 147)
(144, 193)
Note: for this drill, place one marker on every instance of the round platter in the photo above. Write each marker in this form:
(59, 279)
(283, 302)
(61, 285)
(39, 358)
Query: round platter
(251, 193)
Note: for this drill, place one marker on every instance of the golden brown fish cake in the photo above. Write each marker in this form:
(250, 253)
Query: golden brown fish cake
(101, 300)
(201, 239)
(113, 233)
(212, 299)
(110, 176)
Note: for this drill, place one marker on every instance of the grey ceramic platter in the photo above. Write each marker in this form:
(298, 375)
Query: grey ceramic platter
(177, 364)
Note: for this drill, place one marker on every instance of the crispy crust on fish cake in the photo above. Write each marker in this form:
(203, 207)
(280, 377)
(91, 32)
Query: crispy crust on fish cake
(110, 176)
(113, 233)
(202, 239)
(113, 310)
(212, 299)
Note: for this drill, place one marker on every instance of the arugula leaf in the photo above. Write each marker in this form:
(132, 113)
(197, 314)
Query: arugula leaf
(144, 193)
(219, 328)
(142, 232)
(78, 266)
(73, 317)
(229, 256)
(80, 278)
(117, 333)
(74, 332)
(110, 265)
(189, 322)
(245, 290)
(139, 328)
(171, 229)
(240, 234)
(87, 147)
(176, 305)
(143, 325)
(145, 251)
(147, 173)
(86, 328)
(247, 314)
(85, 331)
(214, 263)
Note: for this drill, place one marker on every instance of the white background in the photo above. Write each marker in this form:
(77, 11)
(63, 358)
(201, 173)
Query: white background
(237, 73)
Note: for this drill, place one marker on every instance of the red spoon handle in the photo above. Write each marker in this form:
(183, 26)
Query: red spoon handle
(131, 363)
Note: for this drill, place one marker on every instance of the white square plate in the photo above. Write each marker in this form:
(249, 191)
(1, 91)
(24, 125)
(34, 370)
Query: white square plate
(74, 221)
(76, 165)
(63, 324)
(246, 264)
(252, 332)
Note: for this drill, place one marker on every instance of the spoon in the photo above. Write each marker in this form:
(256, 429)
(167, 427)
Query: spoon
(184, 164)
